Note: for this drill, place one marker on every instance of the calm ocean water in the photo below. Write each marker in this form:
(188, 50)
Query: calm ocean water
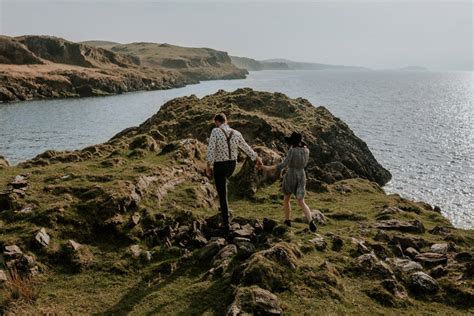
(419, 125)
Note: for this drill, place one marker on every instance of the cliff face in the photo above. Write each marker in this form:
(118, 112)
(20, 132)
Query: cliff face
(58, 50)
(198, 63)
(36, 67)
(13, 52)
(130, 226)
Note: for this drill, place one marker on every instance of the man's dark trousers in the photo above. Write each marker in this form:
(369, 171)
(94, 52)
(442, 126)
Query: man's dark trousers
(222, 171)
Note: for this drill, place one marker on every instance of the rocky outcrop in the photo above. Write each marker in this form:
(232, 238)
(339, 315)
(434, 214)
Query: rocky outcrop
(264, 119)
(3, 162)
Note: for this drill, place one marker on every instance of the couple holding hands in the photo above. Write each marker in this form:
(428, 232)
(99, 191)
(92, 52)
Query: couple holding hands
(221, 159)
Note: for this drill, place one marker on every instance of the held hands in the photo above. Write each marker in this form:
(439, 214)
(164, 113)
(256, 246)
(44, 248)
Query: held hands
(208, 171)
(259, 163)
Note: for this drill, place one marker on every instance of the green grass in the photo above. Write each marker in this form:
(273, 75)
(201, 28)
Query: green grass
(118, 284)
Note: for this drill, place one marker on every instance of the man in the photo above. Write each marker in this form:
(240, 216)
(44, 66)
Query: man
(222, 156)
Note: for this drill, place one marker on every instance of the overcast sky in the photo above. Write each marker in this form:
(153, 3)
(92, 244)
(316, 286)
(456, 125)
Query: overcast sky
(376, 34)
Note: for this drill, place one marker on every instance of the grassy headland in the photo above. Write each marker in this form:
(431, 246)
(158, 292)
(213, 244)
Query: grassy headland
(40, 67)
(132, 226)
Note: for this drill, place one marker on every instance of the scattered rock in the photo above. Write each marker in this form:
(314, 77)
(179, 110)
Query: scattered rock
(315, 185)
(380, 250)
(319, 217)
(211, 249)
(245, 231)
(408, 241)
(430, 259)
(269, 224)
(144, 142)
(42, 238)
(382, 236)
(389, 293)
(19, 182)
(388, 212)
(463, 257)
(284, 254)
(319, 242)
(12, 251)
(245, 249)
(371, 265)
(198, 240)
(439, 248)
(394, 224)
(254, 301)
(27, 209)
(136, 251)
(405, 265)
(342, 188)
(226, 252)
(397, 250)
(421, 283)
(438, 272)
(440, 230)
(3, 276)
(74, 245)
(361, 248)
(135, 219)
(411, 252)
(337, 243)
(280, 230)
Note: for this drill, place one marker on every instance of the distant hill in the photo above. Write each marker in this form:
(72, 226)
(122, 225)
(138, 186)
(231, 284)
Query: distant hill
(285, 64)
(198, 63)
(413, 68)
(39, 67)
(103, 44)
(255, 65)
(312, 66)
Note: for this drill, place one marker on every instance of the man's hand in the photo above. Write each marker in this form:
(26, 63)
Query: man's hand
(209, 171)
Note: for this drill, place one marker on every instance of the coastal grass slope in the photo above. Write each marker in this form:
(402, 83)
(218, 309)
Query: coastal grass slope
(131, 226)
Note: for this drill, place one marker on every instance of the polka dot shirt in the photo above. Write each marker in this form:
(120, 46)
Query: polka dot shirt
(218, 150)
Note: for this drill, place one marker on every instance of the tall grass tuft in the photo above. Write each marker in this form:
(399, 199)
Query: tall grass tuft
(20, 287)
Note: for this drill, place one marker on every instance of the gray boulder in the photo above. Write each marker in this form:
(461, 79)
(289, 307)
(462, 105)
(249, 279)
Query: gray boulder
(254, 301)
(42, 238)
(421, 283)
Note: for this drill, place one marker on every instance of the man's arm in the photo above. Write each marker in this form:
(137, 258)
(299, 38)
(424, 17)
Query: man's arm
(211, 151)
(248, 150)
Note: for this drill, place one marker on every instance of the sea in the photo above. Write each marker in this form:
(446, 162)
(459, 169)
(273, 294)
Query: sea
(418, 124)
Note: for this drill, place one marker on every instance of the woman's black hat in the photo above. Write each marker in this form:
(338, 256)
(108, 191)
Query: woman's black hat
(295, 139)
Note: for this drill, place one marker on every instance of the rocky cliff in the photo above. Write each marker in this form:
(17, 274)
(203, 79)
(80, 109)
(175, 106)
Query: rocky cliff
(131, 226)
(264, 119)
(37, 67)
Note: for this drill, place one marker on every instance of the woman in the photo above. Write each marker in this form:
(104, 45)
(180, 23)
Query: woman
(294, 181)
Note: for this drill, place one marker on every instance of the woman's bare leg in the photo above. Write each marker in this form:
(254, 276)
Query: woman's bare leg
(287, 207)
(305, 208)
